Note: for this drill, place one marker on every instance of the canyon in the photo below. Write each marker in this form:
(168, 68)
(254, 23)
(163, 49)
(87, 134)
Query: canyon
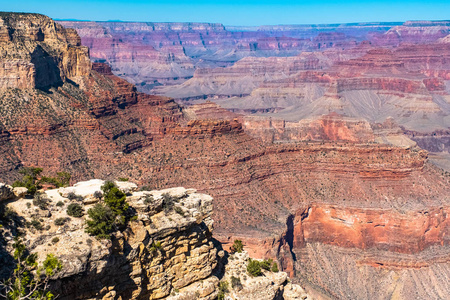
(151, 54)
(370, 71)
(335, 189)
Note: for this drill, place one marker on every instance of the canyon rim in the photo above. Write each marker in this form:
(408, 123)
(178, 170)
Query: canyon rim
(323, 148)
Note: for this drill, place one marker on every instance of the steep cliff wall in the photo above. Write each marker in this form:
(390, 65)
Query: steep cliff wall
(165, 252)
(404, 232)
(36, 52)
(127, 266)
(72, 115)
(332, 127)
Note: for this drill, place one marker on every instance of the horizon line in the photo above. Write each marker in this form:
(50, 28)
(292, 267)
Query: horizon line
(255, 26)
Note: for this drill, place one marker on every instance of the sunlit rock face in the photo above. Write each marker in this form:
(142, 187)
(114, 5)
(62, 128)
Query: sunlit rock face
(326, 206)
(36, 52)
(160, 251)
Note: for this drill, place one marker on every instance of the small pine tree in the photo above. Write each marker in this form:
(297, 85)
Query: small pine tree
(116, 200)
(237, 246)
(104, 219)
(28, 280)
(101, 222)
(29, 179)
(275, 267)
(254, 268)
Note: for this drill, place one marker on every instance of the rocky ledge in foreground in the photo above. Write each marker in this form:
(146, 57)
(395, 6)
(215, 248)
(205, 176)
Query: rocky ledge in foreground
(166, 251)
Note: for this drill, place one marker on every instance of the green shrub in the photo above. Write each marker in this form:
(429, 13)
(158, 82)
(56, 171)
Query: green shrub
(72, 196)
(237, 246)
(148, 199)
(101, 222)
(98, 195)
(154, 246)
(236, 283)
(75, 210)
(123, 179)
(29, 179)
(274, 267)
(107, 186)
(104, 219)
(41, 201)
(254, 268)
(179, 210)
(37, 224)
(223, 289)
(55, 240)
(60, 204)
(266, 264)
(61, 221)
(168, 202)
(62, 179)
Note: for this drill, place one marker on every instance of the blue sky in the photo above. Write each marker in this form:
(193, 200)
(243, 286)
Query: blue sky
(232, 12)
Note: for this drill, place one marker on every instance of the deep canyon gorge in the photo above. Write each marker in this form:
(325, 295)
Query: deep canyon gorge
(323, 147)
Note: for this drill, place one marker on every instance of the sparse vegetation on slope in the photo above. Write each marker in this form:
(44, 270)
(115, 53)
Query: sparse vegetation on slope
(30, 179)
(29, 281)
(33, 180)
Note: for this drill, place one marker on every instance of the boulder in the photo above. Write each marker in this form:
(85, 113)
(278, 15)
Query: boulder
(6, 192)
(83, 188)
(86, 189)
(20, 191)
(126, 186)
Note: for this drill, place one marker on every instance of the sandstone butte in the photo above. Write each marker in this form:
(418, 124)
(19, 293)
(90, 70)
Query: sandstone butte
(345, 218)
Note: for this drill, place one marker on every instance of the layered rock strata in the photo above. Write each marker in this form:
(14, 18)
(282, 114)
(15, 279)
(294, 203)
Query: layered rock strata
(162, 251)
(154, 54)
(108, 129)
(38, 53)
(332, 127)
